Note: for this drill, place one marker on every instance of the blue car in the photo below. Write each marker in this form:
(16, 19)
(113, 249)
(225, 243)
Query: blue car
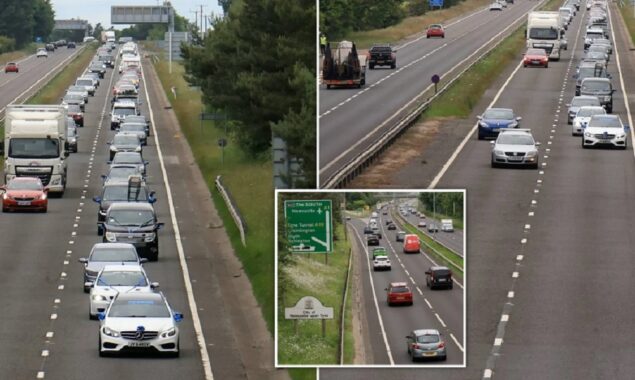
(495, 119)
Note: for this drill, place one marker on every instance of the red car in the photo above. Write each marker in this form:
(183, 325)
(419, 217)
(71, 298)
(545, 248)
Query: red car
(24, 193)
(76, 113)
(435, 30)
(399, 294)
(411, 244)
(11, 67)
(536, 57)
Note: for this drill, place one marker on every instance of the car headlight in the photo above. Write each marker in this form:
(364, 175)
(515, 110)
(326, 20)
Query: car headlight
(499, 153)
(150, 237)
(531, 154)
(621, 136)
(110, 332)
(91, 273)
(43, 196)
(587, 134)
(98, 297)
(56, 181)
(138, 149)
(113, 148)
(111, 237)
(169, 332)
(484, 125)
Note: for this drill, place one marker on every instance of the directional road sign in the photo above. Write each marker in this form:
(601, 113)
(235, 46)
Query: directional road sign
(309, 225)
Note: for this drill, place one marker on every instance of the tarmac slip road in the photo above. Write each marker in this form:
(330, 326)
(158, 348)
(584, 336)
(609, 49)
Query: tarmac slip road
(388, 325)
(351, 119)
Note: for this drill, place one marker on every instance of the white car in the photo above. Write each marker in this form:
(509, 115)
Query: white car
(422, 223)
(582, 117)
(41, 53)
(381, 263)
(115, 279)
(139, 321)
(496, 6)
(515, 147)
(119, 112)
(605, 130)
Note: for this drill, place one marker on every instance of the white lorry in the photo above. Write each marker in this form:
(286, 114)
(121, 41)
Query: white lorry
(544, 31)
(35, 144)
(446, 225)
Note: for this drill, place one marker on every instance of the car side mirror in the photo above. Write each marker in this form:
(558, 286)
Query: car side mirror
(101, 316)
(143, 260)
(97, 200)
(160, 225)
(89, 284)
(154, 285)
(83, 260)
(146, 162)
(479, 117)
(627, 128)
(519, 118)
(178, 317)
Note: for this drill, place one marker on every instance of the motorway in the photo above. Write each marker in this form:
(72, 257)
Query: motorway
(551, 250)
(351, 119)
(44, 325)
(452, 240)
(441, 309)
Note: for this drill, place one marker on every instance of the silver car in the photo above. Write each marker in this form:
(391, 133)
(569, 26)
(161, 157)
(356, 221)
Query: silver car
(103, 254)
(581, 101)
(515, 147)
(124, 142)
(132, 158)
(583, 116)
(426, 344)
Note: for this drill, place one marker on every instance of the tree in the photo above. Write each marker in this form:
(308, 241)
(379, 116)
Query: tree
(97, 31)
(17, 21)
(43, 19)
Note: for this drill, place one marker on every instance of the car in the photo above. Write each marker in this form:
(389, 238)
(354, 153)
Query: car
(391, 227)
(399, 293)
(381, 55)
(24, 193)
(135, 223)
(372, 239)
(93, 76)
(411, 244)
(376, 231)
(134, 128)
(114, 279)
(581, 119)
(435, 30)
(381, 263)
(130, 158)
(71, 131)
(580, 101)
(590, 70)
(74, 99)
(595, 57)
(439, 277)
(400, 236)
(384, 212)
(604, 42)
(605, 130)
(11, 67)
(121, 173)
(121, 110)
(426, 344)
(41, 53)
(515, 148)
(592, 34)
(139, 322)
(422, 223)
(139, 119)
(50, 47)
(81, 90)
(124, 142)
(102, 254)
(368, 230)
(432, 227)
(600, 87)
(536, 57)
(379, 251)
(388, 221)
(97, 67)
(496, 6)
(87, 83)
(493, 120)
(71, 45)
(75, 112)
(130, 189)
(598, 48)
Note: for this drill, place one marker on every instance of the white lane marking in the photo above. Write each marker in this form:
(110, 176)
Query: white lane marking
(50, 334)
(60, 287)
(519, 257)
(429, 305)
(45, 353)
(440, 320)
(457, 342)
(515, 275)
(40, 375)
(487, 374)
(498, 342)
(372, 287)
(419, 290)
(510, 294)
(196, 320)
(504, 317)
(53, 316)
(619, 70)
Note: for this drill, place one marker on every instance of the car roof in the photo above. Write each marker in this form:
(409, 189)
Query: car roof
(438, 267)
(607, 116)
(595, 79)
(426, 332)
(123, 268)
(516, 131)
(131, 206)
(113, 245)
(398, 284)
(150, 296)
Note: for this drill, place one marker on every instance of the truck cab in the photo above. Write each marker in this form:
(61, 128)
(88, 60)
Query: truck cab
(544, 31)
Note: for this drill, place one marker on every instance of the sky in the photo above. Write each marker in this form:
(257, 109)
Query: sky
(98, 11)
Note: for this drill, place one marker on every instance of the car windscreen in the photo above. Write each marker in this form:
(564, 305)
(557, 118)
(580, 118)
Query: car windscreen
(597, 48)
(441, 272)
(536, 52)
(33, 148)
(594, 35)
(123, 172)
(138, 119)
(24, 185)
(124, 278)
(579, 102)
(498, 114)
(588, 112)
(127, 158)
(71, 131)
(74, 108)
(543, 33)
(595, 55)
(515, 139)
(124, 111)
(77, 89)
(125, 140)
(84, 82)
(588, 85)
(605, 122)
(120, 193)
(114, 255)
(137, 218)
(73, 97)
(428, 338)
(139, 308)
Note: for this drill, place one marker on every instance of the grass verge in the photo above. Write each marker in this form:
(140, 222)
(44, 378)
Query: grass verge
(13, 56)
(413, 25)
(309, 275)
(56, 87)
(456, 222)
(628, 15)
(427, 240)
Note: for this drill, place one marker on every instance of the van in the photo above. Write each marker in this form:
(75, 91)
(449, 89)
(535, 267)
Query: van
(446, 225)
(411, 244)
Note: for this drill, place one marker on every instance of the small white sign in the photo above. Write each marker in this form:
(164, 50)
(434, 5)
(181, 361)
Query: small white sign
(308, 308)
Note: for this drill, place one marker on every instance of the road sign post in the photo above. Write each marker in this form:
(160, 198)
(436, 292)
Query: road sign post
(310, 308)
(309, 225)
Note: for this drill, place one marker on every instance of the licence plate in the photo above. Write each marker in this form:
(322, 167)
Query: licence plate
(429, 354)
(401, 298)
(138, 344)
(442, 280)
(24, 203)
(605, 141)
(495, 129)
(515, 158)
(536, 62)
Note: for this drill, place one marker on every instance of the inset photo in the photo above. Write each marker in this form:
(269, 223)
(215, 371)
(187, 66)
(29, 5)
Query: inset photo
(370, 278)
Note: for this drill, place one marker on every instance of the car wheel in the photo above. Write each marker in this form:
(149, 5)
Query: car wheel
(91, 316)
(328, 86)
(546, 66)
(494, 164)
(427, 36)
(393, 66)
(481, 137)
(451, 285)
(44, 210)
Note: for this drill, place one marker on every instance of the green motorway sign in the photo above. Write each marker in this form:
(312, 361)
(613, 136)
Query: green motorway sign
(309, 226)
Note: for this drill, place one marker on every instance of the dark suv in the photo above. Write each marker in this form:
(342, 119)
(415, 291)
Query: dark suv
(135, 223)
(439, 277)
(382, 55)
(122, 191)
(372, 239)
(600, 87)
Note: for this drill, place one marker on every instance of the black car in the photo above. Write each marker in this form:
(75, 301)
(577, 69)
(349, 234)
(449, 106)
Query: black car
(97, 68)
(372, 239)
(392, 227)
(71, 45)
(368, 230)
(135, 223)
(382, 55)
(117, 192)
(439, 277)
(49, 47)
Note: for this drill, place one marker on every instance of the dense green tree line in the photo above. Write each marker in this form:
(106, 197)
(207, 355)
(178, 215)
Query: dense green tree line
(358, 201)
(23, 20)
(258, 66)
(447, 203)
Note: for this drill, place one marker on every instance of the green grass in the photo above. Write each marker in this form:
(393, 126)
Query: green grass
(629, 19)
(453, 257)
(308, 275)
(456, 222)
(13, 56)
(413, 25)
(349, 340)
(56, 87)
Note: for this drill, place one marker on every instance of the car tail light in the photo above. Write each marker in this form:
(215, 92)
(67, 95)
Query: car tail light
(416, 346)
(441, 345)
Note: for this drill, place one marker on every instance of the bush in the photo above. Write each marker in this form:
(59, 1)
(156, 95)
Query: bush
(6, 44)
